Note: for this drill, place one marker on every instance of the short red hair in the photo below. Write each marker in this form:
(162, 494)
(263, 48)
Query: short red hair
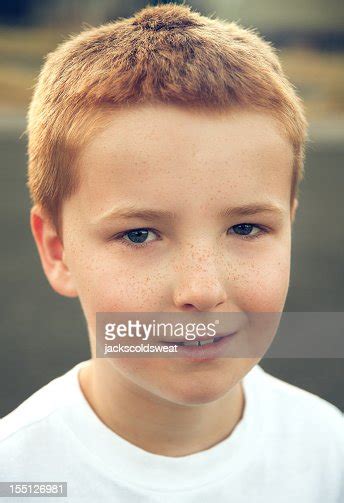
(165, 54)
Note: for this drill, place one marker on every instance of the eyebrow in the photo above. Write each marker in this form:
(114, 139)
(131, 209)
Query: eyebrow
(132, 212)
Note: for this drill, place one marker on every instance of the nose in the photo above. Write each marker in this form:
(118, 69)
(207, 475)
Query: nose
(200, 283)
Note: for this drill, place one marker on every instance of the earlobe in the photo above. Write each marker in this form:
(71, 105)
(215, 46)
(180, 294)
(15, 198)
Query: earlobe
(51, 252)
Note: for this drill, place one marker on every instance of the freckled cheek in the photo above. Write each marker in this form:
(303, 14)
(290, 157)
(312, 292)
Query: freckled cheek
(104, 290)
(263, 285)
(105, 287)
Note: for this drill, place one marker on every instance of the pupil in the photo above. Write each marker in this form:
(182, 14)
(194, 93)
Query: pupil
(243, 228)
(137, 236)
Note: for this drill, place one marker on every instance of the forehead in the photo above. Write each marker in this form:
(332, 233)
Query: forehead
(159, 151)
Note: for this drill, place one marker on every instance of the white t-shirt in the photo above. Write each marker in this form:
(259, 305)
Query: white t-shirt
(287, 448)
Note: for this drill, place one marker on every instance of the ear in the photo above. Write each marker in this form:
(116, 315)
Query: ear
(50, 249)
(293, 209)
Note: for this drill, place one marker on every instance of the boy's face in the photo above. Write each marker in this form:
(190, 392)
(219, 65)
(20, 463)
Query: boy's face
(194, 165)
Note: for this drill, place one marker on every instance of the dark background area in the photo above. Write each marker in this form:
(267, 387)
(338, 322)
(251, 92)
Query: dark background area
(43, 334)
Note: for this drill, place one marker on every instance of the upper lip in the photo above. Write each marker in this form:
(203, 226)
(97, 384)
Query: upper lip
(225, 334)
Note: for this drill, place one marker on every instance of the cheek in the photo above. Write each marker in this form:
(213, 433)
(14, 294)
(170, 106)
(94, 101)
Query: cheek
(108, 285)
(263, 282)
(122, 290)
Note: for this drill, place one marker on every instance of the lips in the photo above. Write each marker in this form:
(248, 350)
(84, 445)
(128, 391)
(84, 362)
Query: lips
(198, 341)
(217, 348)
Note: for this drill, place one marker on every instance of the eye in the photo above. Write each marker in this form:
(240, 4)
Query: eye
(244, 230)
(137, 238)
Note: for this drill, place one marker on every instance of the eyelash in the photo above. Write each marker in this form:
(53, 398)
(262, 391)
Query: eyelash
(120, 237)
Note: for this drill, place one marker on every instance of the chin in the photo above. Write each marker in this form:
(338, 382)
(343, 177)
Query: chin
(205, 384)
(197, 391)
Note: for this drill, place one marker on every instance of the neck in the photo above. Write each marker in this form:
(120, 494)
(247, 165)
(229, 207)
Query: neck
(153, 423)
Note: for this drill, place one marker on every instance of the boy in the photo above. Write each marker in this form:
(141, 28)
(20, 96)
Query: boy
(165, 153)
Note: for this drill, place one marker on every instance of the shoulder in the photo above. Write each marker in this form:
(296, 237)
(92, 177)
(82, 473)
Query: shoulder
(36, 411)
(35, 437)
(298, 400)
(295, 414)
(298, 435)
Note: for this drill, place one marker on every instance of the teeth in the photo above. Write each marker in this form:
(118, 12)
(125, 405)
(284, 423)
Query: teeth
(198, 343)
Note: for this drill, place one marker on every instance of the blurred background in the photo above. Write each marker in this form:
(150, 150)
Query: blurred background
(44, 334)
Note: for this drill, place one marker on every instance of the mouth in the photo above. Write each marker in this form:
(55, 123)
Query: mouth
(196, 342)
(203, 348)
